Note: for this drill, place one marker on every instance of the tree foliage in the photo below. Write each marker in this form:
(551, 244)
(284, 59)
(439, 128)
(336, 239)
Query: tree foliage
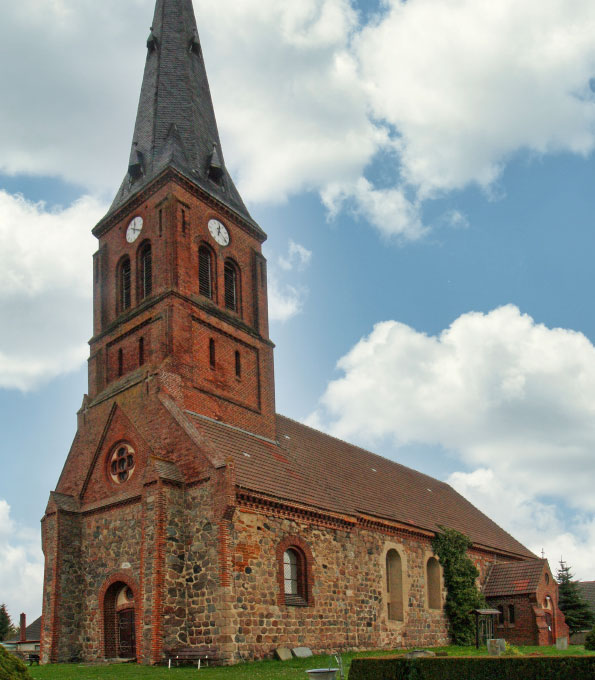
(590, 641)
(460, 575)
(575, 608)
(6, 627)
(12, 668)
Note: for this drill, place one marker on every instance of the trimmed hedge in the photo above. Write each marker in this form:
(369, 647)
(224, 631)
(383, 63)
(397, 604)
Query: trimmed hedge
(475, 668)
(11, 667)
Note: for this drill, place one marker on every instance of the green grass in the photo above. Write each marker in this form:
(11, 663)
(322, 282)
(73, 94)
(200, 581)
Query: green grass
(259, 670)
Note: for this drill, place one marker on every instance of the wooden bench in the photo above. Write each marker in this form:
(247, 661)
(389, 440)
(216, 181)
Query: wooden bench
(195, 655)
(33, 658)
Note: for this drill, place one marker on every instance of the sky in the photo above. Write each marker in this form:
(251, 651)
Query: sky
(424, 171)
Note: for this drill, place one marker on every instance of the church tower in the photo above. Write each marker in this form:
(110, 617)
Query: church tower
(180, 285)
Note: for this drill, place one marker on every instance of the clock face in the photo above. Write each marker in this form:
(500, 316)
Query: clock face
(134, 229)
(219, 232)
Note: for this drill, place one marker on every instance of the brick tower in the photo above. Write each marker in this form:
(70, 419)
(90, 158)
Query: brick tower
(180, 281)
(180, 326)
(188, 514)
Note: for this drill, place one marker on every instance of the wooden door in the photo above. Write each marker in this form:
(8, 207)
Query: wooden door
(127, 635)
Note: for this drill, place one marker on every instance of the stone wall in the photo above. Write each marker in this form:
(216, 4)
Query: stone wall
(347, 608)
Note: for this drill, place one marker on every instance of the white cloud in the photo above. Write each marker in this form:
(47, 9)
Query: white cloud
(468, 83)
(21, 567)
(45, 288)
(389, 210)
(298, 256)
(507, 396)
(306, 96)
(286, 300)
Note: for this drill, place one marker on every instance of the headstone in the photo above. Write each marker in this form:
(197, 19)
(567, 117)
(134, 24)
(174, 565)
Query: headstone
(562, 643)
(496, 647)
(419, 654)
(283, 654)
(302, 652)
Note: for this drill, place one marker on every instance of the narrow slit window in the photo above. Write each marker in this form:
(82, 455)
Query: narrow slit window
(238, 365)
(141, 351)
(205, 272)
(124, 285)
(212, 352)
(231, 287)
(290, 572)
(146, 271)
(160, 222)
(120, 363)
(183, 221)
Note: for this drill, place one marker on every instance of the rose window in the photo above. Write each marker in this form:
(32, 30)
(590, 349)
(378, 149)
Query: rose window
(122, 463)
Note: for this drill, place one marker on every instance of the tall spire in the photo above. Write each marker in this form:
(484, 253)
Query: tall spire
(175, 124)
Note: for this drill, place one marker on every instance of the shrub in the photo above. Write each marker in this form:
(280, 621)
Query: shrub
(12, 668)
(475, 668)
(590, 640)
(460, 574)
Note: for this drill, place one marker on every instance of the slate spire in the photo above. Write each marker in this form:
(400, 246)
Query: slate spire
(175, 124)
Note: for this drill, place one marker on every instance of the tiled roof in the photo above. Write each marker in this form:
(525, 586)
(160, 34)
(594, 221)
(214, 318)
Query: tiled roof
(514, 578)
(309, 467)
(588, 592)
(175, 124)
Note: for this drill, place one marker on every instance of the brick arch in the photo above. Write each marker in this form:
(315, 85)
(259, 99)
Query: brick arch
(301, 546)
(124, 578)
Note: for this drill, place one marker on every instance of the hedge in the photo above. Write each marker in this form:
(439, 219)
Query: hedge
(474, 668)
(11, 667)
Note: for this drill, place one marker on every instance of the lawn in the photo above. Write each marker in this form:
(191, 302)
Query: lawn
(260, 670)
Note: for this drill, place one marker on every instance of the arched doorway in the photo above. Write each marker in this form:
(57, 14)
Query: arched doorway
(119, 622)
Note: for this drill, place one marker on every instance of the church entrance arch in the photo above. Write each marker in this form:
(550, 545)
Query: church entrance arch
(119, 621)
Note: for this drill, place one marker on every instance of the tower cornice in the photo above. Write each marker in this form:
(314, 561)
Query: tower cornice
(172, 175)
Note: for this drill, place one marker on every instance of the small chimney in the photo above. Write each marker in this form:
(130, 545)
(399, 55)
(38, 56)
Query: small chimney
(23, 628)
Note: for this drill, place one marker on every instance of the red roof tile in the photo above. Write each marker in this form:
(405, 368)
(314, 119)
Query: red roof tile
(514, 578)
(309, 467)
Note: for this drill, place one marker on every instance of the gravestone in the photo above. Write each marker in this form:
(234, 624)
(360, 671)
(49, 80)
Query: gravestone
(302, 652)
(496, 646)
(283, 654)
(562, 643)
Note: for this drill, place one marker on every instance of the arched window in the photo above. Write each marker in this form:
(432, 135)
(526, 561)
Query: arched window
(238, 365)
(205, 272)
(231, 287)
(124, 285)
(511, 614)
(145, 270)
(294, 576)
(394, 586)
(433, 581)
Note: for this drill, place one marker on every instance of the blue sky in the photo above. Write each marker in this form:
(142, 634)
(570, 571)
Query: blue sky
(424, 171)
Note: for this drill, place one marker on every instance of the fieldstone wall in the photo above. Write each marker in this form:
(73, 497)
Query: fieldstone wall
(347, 584)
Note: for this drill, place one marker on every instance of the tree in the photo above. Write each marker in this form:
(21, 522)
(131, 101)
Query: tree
(460, 574)
(575, 608)
(6, 627)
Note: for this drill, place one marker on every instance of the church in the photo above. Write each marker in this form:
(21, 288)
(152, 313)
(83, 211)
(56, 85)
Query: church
(189, 514)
